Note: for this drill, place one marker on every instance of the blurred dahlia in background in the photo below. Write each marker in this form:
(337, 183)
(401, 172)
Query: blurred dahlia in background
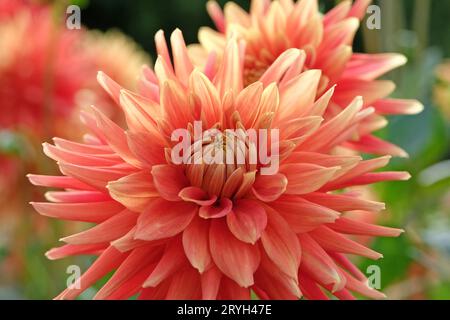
(47, 73)
(271, 27)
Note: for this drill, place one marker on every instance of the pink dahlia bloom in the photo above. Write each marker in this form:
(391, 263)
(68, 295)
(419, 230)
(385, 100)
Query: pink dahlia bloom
(47, 70)
(202, 230)
(271, 27)
(40, 71)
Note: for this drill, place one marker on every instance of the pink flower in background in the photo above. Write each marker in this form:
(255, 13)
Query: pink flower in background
(41, 71)
(48, 71)
(217, 231)
(271, 27)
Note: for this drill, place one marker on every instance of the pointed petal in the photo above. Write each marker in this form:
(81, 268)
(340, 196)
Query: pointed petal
(306, 178)
(349, 226)
(172, 261)
(303, 216)
(95, 212)
(332, 241)
(281, 244)
(196, 244)
(236, 259)
(112, 229)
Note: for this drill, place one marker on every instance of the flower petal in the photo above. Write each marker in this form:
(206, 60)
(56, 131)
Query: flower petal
(164, 219)
(196, 244)
(247, 221)
(134, 191)
(219, 210)
(236, 259)
(169, 181)
(281, 244)
(270, 188)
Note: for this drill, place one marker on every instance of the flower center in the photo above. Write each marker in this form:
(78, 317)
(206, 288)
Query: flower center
(219, 162)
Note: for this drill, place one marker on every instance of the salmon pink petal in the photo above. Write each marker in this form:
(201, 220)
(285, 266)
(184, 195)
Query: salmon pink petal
(270, 188)
(58, 182)
(211, 283)
(133, 285)
(109, 85)
(348, 265)
(76, 196)
(218, 210)
(349, 226)
(95, 212)
(330, 240)
(276, 284)
(216, 14)
(247, 221)
(230, 290)
(306, 178)
(107, 231)
(147, 153)
(359, 9)
(374, 145)
(236, 259)
(281, 244)
(96, 177)
(109, 260)
(185, 285)
(137, 260)
(310, 289)
(157, 293)
(198, 196)
(362, 287)
(375, 177)
(69, 250)
(172, 260)
(318, 265)
(338, 13)
(182, 63)
(196, 244)
(116, 138)
(372, 66)
(277, 70)
(135, 191)
(164, 219)
(398, 106)
(292, 101)
(169, 181)
(303, 216)
(342, 202)
(229, 75)
(371, 91)
(161, 47)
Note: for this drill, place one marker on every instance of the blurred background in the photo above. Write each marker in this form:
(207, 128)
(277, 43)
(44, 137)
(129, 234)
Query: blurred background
(415, 266)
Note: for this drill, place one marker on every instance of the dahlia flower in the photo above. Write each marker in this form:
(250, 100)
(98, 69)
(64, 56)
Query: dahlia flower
(47, 71)
(40, 70)
(271, 27)
(117, 55)
(216, 230)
